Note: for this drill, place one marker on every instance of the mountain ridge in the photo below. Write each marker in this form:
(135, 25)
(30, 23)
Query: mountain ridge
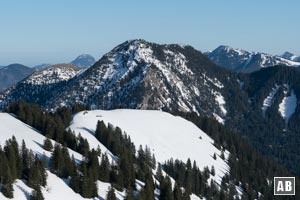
(240, 60)
(142, 75)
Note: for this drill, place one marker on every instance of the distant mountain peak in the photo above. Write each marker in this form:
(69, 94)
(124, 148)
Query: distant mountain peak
(287, 54)
(290, 56)
(240, 60)
(13, 73)
(84, 61)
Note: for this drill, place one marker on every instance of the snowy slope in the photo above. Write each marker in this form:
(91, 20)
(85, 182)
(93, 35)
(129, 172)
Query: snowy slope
(288, 105)
(56, 188)
(10, 126)
(269, 99)
(156, 131)
(53, 74)
(166, 135)
(245, 61)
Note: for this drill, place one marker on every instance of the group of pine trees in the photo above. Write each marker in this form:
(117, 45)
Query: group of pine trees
(194, 180)
(19, 163)
(50, 124)
(249, 169)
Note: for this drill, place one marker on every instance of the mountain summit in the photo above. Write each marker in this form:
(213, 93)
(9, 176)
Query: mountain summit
(290, 56)
(244, 61)
(84, 60)
(144, 75)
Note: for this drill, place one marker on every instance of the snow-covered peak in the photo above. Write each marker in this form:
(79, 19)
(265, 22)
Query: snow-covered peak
(53, 74)
(290, 56)
(228, 49)
(159, 76)
(245, 61)
(135, 74)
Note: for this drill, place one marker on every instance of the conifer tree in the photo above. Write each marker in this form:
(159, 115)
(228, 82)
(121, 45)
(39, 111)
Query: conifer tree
(75, 182)
(215, 156)
(129, 194)
(166, 192)
(149, 186)
(7, 190)
(142, 194)
(104, 168)
(48, 144)
(177, 193)
(212, 171)
(37, 194)
(111, 194)
(6, 178)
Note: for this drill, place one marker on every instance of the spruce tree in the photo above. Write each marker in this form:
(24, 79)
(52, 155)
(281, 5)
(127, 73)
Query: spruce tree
(75, 182)
(111, 194)
(149, 186)
(5, 176)
(7, 190)
(215, 156)
(37, 194)
(166, 192)
(104, 168)
(142, 194)
(129, 194)
(48, 144)
(177, 193)
(212, 171)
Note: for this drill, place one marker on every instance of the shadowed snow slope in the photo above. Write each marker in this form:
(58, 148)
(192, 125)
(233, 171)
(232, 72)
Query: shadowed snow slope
(167, 136)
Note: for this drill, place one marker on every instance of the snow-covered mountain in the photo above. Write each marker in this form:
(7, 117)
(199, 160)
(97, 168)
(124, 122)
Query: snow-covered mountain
(53, 74)
(40, 85)
(244, 61)
(182, 141)
(83, 61)
(143, 75)
(290, 56)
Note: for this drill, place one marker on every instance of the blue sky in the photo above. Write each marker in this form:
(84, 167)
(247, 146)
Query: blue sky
(34, 32)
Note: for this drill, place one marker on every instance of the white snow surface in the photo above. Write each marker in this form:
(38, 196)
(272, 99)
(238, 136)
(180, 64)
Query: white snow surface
(219, 119)
(53, 74)
(56, 188)
(269, 99)
(10, 126)
(288, 106)
(221, 102)
(166, 135)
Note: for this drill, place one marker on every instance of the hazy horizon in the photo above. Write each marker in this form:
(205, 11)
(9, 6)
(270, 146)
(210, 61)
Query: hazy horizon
(35, 32)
